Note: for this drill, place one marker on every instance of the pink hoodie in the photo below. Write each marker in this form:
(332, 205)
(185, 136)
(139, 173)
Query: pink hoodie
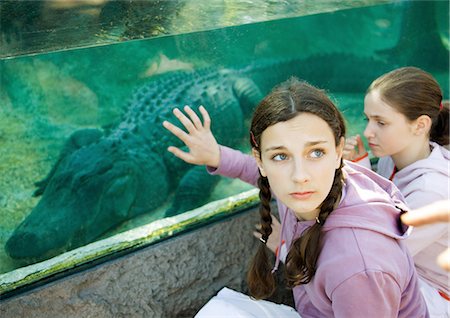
(363, 270)
(423, 182)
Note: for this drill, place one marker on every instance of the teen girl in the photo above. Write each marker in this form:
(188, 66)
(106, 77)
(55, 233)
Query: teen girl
(408, 125)
(346, 256)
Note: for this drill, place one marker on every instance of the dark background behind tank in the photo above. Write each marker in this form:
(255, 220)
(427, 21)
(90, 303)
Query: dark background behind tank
(46, 97)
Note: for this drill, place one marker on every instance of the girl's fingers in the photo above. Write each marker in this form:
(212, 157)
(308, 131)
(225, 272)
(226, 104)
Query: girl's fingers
(444, 260)
(256, 234)
(182, 135)
(206, 118)
(351, 142)
(435, 212)
(177, 152)
(349, 147)
(187, 123)
(360, 142)
(194, 118)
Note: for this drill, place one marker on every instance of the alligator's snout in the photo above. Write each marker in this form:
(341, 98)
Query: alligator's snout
(87, 194)
(40, 235)
(18, 243)
(24, 245)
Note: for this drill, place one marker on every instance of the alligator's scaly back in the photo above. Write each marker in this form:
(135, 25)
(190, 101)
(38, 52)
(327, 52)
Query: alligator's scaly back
(154, 103)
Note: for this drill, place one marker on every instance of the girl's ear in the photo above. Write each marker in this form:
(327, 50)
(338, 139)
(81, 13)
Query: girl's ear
(257, 157)
(339, 152)
(422, 125)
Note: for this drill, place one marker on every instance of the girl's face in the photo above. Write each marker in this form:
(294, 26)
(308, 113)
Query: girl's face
(388, 132)
(299, 158)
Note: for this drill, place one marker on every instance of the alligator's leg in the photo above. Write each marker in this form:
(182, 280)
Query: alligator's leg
(248, 94)
(76, 141)
(193, 190)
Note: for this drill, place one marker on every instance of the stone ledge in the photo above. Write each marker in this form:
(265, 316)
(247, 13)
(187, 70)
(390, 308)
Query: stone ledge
(173, 278)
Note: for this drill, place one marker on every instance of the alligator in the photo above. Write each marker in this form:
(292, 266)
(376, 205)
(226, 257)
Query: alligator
(102, 179)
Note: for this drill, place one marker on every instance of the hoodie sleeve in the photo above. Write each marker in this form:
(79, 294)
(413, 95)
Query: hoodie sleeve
(367, 294)
(235, 164)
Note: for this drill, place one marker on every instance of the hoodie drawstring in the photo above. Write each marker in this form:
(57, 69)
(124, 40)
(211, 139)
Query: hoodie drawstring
(280, 243)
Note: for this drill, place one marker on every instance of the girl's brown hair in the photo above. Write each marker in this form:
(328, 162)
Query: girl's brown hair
(286, 101)
(414, 92)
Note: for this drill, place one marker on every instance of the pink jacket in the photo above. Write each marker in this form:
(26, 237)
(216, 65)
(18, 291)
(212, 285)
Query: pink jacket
(364, 269)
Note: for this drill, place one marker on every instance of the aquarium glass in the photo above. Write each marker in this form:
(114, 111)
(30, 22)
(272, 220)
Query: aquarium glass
(30, 26)
(83, 151)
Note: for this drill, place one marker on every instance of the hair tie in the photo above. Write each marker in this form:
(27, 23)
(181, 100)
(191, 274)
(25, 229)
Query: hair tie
(317, 220)
(263, 240)
(253, 139)
(441, 106)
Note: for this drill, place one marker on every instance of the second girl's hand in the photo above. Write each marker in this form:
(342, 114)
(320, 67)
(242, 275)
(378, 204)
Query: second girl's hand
(354, 148)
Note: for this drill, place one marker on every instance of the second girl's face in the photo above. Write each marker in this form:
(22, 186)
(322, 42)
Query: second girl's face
(388, 132)
(299, 158)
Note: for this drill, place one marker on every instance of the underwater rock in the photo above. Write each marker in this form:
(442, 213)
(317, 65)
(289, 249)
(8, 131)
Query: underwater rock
(50, 92)
(166, 65)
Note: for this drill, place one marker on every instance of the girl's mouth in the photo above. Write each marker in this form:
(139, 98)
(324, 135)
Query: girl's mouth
(301, 195)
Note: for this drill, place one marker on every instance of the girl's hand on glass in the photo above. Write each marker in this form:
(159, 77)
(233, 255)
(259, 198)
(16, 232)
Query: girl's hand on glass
(203, 147)
(354, 149)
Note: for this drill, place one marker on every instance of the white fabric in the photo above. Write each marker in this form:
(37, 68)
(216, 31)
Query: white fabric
(229, 303)
(438, 307)
(283, 253)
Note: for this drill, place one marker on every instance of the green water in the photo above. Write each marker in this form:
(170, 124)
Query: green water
(44, 98)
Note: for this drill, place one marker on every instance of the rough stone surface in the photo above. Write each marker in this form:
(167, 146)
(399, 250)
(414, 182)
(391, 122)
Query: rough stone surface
(174, 278)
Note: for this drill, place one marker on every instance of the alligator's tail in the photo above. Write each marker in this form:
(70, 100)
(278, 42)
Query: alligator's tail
(334, 72)
(417, 44)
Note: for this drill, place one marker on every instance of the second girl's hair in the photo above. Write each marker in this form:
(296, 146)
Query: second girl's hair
(285, 102)
(414, 92)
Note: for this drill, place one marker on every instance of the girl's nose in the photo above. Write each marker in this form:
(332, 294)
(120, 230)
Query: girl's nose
(300, 172)
(368, 132)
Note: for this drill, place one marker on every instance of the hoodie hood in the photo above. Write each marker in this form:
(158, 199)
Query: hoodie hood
(436, 166)
(369, 202)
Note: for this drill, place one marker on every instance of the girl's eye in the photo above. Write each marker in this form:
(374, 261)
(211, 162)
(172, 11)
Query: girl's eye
(279, 157)
(317, 153)
(379, 123)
